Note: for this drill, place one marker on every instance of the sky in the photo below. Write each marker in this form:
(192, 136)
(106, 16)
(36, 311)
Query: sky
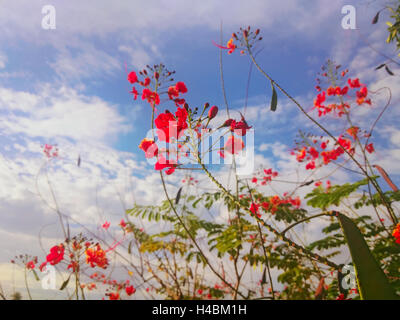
(68, 87)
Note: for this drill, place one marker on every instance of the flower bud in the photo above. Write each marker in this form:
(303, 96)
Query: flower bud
(212, 112)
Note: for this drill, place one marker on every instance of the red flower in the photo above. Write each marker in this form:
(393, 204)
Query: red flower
(132, 77)
(181, 87)
(134, 92)
(314, 153)
(396, 233)
(344, 90)
(151, 97)
(41, 267)
(149, 147)
(310, 165)
(122, 223)
(163, 163)
(370, 148)
(354, 83)
(168, 127)
(146, 82)
(320, 99)
(254, 208)
(130, 290)
(114, 296)
(240, 127)
(106, 225)
(300, 157)
(56, 255)
(172, 93)
(330, 91)
(231, 46)
(30, 265)
(353, 131)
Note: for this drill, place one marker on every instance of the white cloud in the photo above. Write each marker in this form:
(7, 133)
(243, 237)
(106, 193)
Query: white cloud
(59, 112)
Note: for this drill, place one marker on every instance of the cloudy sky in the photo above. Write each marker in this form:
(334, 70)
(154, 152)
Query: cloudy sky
(67, 87)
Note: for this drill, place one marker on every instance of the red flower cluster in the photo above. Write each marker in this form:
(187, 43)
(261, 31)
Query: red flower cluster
(149, 147)
(30, 265)
(239, 127)
(56, 255)
(340, 109)
(50, 151)
(152, 97)
(170, 126)
(96, 257)
(174, 91)
(272, 205)
(319, 184)
(269, 174)
(147, 94)
(396, 233)
(311, 154)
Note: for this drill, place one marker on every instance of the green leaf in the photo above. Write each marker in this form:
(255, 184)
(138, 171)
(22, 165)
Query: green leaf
(65, 283)
(274, 99)
(372, 282)
(319, 198)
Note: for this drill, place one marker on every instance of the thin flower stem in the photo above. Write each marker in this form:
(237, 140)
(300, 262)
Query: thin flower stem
(26, 285)
(264, 250)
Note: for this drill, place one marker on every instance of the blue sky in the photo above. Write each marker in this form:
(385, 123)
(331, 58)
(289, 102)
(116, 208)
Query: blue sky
(68, 87)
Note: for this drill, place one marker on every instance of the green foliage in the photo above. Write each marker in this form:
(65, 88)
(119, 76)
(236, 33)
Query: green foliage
(320, 198)
(394, 26)
(376, 199)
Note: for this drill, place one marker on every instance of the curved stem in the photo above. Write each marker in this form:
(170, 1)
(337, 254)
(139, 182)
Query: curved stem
(304, 220)
(26, 285)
